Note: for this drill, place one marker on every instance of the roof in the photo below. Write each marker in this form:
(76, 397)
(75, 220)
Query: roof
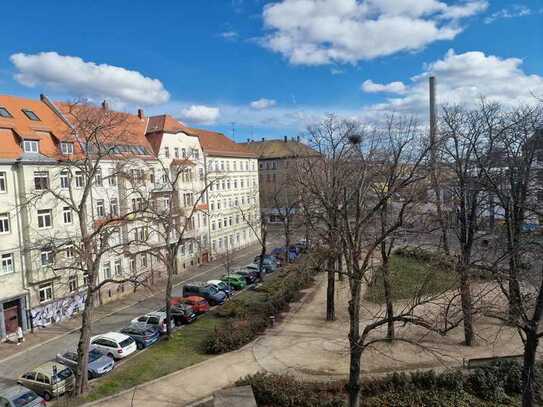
(193, 298)
(49, 130)
(116, 336)
(118, 128)
(164, 123)
(47, 367)
(268, 149)
(217, 144)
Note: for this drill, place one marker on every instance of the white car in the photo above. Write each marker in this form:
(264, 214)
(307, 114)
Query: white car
(114, 344)
(156, 320)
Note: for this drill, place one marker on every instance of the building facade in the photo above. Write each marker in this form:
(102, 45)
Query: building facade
(40, 232)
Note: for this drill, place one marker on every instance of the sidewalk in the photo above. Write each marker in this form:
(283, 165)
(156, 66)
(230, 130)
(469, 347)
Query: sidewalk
(42, 336)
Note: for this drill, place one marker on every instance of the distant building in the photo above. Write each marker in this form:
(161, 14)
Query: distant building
(278, 165)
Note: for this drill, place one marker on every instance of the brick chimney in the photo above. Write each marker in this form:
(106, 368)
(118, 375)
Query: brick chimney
(140, 113)
(105, 105)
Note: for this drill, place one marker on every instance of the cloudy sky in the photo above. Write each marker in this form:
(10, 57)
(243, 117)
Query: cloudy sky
(256, 68)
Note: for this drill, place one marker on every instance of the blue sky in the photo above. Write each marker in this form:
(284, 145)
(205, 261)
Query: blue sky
(272, 67)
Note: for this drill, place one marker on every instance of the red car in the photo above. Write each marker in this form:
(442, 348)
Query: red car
(199, 304)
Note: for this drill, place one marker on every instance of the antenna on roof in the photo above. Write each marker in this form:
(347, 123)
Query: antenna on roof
(233, 129)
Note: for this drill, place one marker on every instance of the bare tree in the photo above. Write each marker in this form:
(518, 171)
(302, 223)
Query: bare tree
(321, 180)
(95, 136)
(258, 226)
(177, 200)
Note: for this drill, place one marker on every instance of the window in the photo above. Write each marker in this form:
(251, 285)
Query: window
(176, 152)
(31, 115)
(41, 180)
(79, 182)
(3, 182)
(67, 215)
(167, 152)
(133, 265)
(7, 264)
(30, 146)
(114, 207)
(45, 220)
(100, 211)
(67, 148)
(144, 260)
(70, 252)
(85, 279)
(4, 223)
(118, 268)
(184, 153)
(46, 292)
(98, 180)
(112, 178)
(46, 257)
(72, 283)
(107, 270)
(4, 112)
(65, 179)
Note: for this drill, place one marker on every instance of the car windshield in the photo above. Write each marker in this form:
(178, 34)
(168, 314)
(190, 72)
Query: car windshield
(212, 289)
(126, 342)
(94, 355)
(24, 399)
(62, 375)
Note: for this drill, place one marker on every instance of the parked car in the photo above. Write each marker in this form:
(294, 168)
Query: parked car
(52, 379)
(198, 304)
(181, 313)
(235, 280)
(114, 344)
(277, 260)
(210, 293)
(222, 286)
(143, 335)
(15, 395)
(267, 266)
(279, 252)
(250, 275)
(99, 364)
(156, 320)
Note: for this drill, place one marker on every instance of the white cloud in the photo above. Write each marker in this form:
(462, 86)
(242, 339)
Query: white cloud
(393, 87)
(517, 10)
(465, 78)
(262, 103)
(87, 79)
(316, 32)
(201, 114)
(229, 35)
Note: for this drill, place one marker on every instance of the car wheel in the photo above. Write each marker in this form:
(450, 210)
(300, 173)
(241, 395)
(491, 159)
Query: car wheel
(139, 345)
(47, 396)
(111, 355)
(90, 374)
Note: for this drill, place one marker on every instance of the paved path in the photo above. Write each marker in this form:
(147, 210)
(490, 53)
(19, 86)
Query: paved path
(45, 344)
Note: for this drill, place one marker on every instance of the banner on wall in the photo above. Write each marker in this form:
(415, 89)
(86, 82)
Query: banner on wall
(58, 310)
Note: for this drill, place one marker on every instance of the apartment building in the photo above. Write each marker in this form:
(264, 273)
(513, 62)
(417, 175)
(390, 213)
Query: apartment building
(38, 143)
(232, 192)
(277, 169)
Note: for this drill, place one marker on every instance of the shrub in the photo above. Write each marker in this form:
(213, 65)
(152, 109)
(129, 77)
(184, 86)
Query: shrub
(486, 384)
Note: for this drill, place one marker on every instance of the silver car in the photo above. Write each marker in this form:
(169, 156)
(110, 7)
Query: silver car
(99, 364)
(19, 396)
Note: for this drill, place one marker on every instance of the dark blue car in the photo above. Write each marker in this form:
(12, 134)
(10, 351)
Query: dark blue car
(143, 336)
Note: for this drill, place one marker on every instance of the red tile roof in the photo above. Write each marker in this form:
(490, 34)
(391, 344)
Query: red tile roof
(217, 144)
(49, 130)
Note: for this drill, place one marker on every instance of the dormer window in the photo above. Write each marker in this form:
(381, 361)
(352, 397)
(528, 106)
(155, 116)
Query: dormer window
(31, 115)
(30, 146)
(67, 148)
(5, 113)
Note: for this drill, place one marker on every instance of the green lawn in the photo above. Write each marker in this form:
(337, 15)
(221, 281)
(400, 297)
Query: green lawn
(409, 276)
(185, 349)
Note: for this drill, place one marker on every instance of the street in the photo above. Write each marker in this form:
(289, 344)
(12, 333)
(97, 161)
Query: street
(14, 366)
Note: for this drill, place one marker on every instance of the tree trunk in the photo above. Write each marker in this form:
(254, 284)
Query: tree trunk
(467, 305)
(528, 374)
(385, 267)
(330, 291)
(169, 285)
(353, 385)
(264, 235)
(340, 267)
(81, 373)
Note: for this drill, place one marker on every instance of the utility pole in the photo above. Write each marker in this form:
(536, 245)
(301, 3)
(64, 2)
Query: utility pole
(434, 165)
